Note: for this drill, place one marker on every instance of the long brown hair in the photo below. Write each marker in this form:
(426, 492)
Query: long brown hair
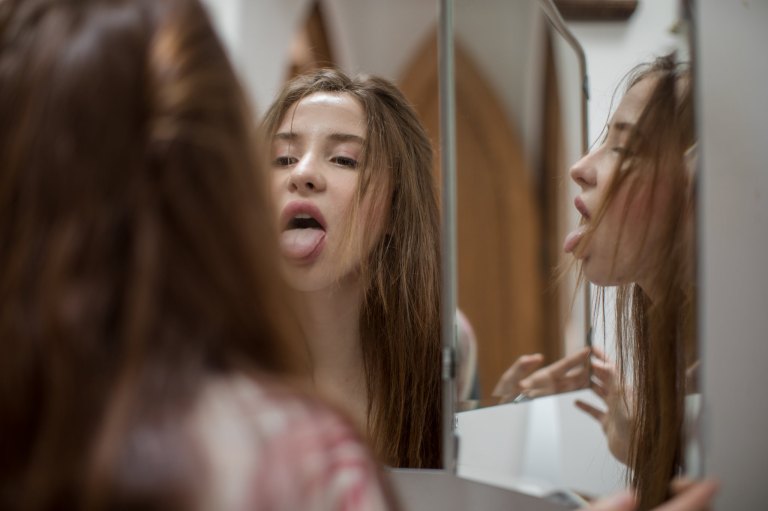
(656, 340)
(400, 316)
(137, 257)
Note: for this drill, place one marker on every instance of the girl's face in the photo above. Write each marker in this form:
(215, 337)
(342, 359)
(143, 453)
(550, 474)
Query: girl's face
(315, 172)
(624, 244)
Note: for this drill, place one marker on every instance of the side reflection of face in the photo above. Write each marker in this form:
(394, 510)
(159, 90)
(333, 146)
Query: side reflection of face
(315, 172)
(632, 218)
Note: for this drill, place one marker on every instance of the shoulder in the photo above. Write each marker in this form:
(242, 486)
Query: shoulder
(270, 447)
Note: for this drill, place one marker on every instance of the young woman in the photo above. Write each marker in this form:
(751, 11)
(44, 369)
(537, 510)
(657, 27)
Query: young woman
(142, 318)
(353, 186)
(637, 207)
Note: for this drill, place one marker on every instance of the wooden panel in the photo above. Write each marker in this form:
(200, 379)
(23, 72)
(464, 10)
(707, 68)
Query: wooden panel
(499, 282)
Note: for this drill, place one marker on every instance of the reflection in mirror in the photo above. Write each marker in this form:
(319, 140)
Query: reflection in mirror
(639, 241)
(635, 194)
(519, 122)
(353, 182)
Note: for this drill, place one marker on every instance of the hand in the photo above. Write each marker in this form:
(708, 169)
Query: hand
(617, 420)
(690, 497)
(689, 494)
(527, 377)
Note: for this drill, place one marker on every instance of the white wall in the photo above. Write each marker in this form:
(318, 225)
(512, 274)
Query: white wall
(258, 36)
(733, 100)
(613, 48)
(366, 35)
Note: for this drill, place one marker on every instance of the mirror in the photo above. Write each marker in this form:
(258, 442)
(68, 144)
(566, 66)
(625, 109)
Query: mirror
(519, 104)
(355, 348)
(270, 40)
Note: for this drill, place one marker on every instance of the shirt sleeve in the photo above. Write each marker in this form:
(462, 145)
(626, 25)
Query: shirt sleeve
(315, 460)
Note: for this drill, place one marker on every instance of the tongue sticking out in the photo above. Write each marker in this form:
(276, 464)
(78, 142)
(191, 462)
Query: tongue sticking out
(300, 243)
(573, 238)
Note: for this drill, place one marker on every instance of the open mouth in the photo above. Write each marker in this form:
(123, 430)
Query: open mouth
(303, 233)
(303, 221)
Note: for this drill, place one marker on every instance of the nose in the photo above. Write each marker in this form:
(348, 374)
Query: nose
(583, 172)
(306, 176)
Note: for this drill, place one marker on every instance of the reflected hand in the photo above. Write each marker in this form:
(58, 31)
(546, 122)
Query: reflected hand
(617, 420)
(526, 376)
(689, 495)
(692, 497)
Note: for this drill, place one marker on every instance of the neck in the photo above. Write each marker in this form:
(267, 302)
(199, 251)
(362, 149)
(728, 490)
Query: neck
(331, 320)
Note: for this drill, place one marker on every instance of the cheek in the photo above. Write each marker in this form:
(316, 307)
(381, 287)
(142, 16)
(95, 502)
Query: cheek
(373, 219)
(620, 240)
(275, 185)
(379, 207)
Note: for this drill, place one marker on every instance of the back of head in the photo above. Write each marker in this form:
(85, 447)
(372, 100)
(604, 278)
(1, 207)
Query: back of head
(137, 255)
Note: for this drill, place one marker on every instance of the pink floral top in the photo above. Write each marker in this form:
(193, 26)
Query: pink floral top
(269, 448)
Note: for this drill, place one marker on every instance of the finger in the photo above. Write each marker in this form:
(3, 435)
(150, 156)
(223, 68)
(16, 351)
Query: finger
(575, 379)
(562, 366)
(599, 354)
(525, 365)
(509, 383)
(603, 371)
(599, 389)
(680, 484)
(623, 501)
(596, 413)
(696, 498)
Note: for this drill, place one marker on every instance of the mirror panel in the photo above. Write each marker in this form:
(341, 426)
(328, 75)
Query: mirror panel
(519, 93)
(273, 40)
(547, 446)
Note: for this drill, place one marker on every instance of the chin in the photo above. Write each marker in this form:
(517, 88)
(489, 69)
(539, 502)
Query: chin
(309, 278)
(598, 275)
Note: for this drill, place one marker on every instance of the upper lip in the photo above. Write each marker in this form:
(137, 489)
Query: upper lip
(581, 207)
(298, 208)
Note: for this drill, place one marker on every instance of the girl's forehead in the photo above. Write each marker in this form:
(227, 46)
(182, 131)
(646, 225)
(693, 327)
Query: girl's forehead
(632, 104)
(326, 111)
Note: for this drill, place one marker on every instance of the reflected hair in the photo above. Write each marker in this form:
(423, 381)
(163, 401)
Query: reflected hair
(656, 340)
(400, 315)
(137, 258)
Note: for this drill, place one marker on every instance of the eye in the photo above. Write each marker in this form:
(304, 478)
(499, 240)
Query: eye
(284, 161)
(344, 161)
(622, 151)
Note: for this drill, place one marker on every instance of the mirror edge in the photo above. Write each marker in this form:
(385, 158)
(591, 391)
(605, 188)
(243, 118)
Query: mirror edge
(448, 299)
(556, 19)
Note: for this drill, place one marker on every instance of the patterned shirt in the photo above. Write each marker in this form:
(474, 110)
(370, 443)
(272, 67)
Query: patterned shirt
(270, 448)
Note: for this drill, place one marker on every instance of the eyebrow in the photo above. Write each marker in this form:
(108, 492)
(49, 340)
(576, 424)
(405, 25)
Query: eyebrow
(336, 137)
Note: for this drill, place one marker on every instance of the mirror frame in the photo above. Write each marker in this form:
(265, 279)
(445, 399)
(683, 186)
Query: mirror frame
(448, 291)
